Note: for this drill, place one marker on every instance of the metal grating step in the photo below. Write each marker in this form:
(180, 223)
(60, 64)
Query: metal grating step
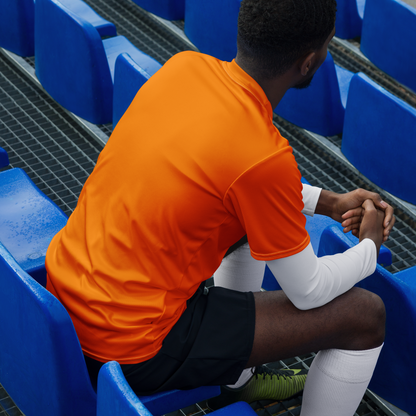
(41, 138)
(7, 405)
(140, 28)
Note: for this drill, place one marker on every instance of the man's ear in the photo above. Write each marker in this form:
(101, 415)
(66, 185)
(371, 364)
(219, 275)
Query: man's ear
(306, 63)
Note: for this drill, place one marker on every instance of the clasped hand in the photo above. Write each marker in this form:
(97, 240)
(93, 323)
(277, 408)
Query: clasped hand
(362, 212)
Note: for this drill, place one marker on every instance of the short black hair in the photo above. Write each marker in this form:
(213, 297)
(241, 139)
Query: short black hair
(273, 34)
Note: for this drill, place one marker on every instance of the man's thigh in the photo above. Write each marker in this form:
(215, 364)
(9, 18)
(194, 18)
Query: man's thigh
(354, 320)
(209, 345)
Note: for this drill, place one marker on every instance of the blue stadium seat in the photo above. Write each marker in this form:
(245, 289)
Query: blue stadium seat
(349, 19)
(17, 19)
(73, 63)
(388, 38)
(115, 397)
(28, 221)
(393, 378)
(319, 108)
(378, 137)
(41, 362)
(128, 79)
(168, 9)
(212, 26)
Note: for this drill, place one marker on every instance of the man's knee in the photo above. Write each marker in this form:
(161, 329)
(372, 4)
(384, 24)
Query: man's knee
(371, 316)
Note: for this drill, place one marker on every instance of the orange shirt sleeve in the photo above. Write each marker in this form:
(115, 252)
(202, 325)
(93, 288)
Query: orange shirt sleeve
(267, 199)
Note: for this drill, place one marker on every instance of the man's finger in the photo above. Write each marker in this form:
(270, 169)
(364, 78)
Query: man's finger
(352, 222)
(356, 212)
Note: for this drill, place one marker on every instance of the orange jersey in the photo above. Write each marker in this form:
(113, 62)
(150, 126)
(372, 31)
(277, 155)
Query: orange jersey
(193, 165)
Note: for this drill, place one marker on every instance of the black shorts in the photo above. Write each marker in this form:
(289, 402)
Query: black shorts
(209, 345)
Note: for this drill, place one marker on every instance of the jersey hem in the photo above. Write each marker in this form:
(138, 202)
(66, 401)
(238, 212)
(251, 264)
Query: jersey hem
(121, 361)
(282, 254)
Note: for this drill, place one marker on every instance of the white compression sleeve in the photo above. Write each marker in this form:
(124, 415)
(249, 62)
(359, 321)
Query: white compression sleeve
(310, 196)
(337, 381)
(310, 282)
(239, 271)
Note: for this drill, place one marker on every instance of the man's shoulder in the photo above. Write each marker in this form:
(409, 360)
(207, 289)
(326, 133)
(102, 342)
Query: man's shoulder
(192, 59)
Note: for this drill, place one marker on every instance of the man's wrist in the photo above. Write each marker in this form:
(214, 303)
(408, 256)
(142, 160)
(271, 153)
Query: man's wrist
(326, 203)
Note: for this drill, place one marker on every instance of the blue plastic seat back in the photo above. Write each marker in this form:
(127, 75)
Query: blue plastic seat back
(82, 9)
(128, 79)
(349, 18)
(388, 38)
(4, 158)
(71, 62)
(41, 363)
(378, 137)
(115, 397)
(28, 221)
(320, 107)
(17, 19)
(393, 378)
(212, 26)
(168, 9)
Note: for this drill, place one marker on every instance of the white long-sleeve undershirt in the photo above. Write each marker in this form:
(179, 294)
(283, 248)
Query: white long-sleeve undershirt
(310, 281)
(310, 196)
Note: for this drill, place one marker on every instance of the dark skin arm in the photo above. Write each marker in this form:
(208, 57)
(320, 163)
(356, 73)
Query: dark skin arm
(348, 209)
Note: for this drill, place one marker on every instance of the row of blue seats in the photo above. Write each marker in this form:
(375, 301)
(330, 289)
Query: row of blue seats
(51, 356)
(387, 29)
(387, 38)
(377, 127)
(75, 53)
(97, 79)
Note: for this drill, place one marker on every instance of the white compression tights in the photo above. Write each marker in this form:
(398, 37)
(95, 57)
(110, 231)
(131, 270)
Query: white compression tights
(337, 379)
(239, 271)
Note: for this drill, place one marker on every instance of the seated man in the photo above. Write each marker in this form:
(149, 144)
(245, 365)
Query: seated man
(193, 166)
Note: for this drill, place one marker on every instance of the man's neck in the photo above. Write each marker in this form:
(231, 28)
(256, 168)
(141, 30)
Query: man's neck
(274, 88)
